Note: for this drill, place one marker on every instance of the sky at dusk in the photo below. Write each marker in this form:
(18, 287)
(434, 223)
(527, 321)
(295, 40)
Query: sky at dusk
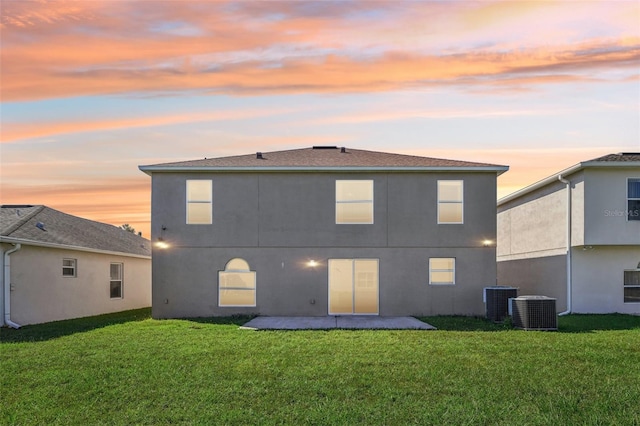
(90, 90)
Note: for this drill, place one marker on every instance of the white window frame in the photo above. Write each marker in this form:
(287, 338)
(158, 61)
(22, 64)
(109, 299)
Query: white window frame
(73, 267)
(203, 201)
(629, 212)
(246, 270)
(625, 285)
(120, 280)
(370, 202)
(440, 202)
(431, 271)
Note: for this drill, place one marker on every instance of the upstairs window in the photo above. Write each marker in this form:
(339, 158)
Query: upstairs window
(354, 202)
(450, 201)
(633, 199)
(69, 267)
(442, 271)
(199, 202)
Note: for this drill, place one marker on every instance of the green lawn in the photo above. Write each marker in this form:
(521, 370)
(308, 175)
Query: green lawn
(129, 369)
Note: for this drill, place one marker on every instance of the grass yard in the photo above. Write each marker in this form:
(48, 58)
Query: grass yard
(129, 369)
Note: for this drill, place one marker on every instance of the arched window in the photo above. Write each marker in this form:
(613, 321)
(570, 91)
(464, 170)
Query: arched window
(237, 284)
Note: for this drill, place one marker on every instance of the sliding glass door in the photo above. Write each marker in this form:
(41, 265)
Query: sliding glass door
(353, 286)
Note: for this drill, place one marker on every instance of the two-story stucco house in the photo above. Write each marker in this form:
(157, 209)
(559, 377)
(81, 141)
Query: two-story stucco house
(57, 266)
(575, 236)
(322, 231)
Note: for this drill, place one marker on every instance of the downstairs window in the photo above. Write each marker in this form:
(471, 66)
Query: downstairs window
(237, 284)
(632, 286)
(442, 271)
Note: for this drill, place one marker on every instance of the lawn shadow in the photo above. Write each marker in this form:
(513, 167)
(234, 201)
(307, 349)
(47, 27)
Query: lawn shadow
(575, 323)
(464, 323)
(238, 320)
(53, 330)
(589, 323)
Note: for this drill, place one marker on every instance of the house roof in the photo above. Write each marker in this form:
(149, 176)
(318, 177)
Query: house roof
(619, 160)
(44, 226)
(621, 157)
(323, 158)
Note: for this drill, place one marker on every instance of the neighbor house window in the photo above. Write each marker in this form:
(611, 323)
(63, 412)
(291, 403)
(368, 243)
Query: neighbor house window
(199, 202)
(450, 201)
(69, 267)
(237, 284)
(632, 286)
(354, 202)
(442, 270)
(116, 282)
(633, 199)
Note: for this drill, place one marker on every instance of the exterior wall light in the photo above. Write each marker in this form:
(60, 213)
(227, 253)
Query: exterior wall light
(162, 244)
(312, 263)
(487, 243)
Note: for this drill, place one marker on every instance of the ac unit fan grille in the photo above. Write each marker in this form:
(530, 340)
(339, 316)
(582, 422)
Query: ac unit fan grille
(497, 300)
(534, 313)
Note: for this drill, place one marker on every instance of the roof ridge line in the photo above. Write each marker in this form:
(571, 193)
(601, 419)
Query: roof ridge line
(13, 228)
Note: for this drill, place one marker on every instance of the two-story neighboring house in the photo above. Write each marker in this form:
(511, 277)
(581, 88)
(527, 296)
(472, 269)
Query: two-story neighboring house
(322, 231)
(575, 236)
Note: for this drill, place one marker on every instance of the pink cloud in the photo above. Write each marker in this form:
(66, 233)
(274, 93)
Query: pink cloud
(64, 49)
(13, 131)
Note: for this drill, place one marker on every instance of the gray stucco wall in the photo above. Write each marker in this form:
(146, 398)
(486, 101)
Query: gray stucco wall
(279, 221)
(544, 276)
(286, 285)
(532, 241)
(535, 225)
(606, 206)
(297, 210)
(598, 277)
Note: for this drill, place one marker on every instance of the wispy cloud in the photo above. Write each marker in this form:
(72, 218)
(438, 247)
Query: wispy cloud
(15, 131)
(436, 114)
(92, 48)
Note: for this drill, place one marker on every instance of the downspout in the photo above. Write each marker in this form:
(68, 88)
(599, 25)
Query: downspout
(7, 287)
(569, 283)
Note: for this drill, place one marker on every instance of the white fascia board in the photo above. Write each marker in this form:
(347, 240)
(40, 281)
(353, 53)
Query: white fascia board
(10, 240)
(187, 169)
(544, 182)
(566, 172)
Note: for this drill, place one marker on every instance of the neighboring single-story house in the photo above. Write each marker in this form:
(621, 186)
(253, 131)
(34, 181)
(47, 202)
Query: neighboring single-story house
(322, 231)
(57, 266)
(575, 236)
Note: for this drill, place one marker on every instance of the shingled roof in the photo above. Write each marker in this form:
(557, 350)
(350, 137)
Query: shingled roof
(322, 158)
(620, 160)
(621, 157)
(41, 225)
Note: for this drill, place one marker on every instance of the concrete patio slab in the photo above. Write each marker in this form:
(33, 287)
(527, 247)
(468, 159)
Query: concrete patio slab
(352, 322)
